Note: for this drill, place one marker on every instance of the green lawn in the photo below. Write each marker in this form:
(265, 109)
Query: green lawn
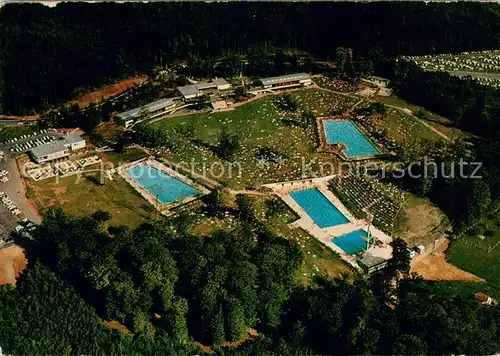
(85, 196)
(403, 127)
(129, 155)
(438, 122)
(9, 132)
(258, 124)
(480, 256)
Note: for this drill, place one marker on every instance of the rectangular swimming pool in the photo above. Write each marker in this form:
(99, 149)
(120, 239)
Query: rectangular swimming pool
(346, 132)
(162, 186)
(319, 208)
(352, 242)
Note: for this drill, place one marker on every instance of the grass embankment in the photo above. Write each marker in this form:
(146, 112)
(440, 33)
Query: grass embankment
(259, 124)
(478, 251)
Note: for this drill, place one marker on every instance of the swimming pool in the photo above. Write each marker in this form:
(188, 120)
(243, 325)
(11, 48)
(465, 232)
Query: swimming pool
(319, 208)
(352, 242)
(346, 132)
(162, 186)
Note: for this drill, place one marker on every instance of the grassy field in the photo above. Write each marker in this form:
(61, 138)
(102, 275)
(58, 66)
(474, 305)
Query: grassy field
(258, 124)
(9, 132)
(87, 195)
(403, 128)
(478, 251)
(129, 155)
(440, 123)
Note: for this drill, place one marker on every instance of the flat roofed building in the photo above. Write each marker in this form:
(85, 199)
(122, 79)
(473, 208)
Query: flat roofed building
(190, 91)
(57, 149)
(74, 142)
(49, 152)
(286, 81)
(375, 258)
(154, 109)
(221, 84)
(205, 86)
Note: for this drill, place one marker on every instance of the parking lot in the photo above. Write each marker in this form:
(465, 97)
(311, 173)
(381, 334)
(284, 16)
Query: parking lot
(26, 142)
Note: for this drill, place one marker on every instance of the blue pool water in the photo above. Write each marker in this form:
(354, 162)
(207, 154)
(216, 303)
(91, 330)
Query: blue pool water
(315, 204)
(163, 187)
(345, 131)
(352, 242)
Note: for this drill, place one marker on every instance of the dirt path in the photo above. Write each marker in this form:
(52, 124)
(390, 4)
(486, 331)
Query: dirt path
(434, 267)
(12, 262)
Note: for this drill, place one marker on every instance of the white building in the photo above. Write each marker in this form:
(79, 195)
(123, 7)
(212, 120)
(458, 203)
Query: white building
(151, 110)
(58, 149)
(287, 81)
(221, 84)
(195, 90)
(189, 92)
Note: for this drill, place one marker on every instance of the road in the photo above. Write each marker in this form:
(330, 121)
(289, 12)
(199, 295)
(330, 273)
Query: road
(15, 188)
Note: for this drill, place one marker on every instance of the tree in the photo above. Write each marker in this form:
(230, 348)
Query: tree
(235, 315)
(307, 118)
(215, 201)
(228, 145)
(409, 345)
(400, 261)
(218, 333)
(245, 207)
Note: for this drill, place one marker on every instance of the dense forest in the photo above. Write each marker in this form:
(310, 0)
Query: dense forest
(170, 288)
(49, 54)
(472, 107)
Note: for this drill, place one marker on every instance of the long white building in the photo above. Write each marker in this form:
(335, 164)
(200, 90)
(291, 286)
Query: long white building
(287, 81)
(154, 109)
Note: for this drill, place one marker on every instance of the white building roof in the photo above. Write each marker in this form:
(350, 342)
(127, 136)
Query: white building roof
(202, 86)
(72, 138)
(220, 81)
(188, 90)
(56, 146)
(285, 78)
(48, 148)
(155, 105)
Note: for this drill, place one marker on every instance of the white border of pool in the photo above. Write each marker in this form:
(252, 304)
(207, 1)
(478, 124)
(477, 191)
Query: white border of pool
(163, 208)
(325, 235)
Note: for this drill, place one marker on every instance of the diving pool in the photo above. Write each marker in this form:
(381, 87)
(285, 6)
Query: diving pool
(160, 185)
(352, 242)
(319, 208)
(346, 132)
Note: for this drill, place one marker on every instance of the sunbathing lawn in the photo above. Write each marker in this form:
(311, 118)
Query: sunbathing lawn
(258, 124)
(480, 256)
(86, 196)
(403, 127)
(438, 122)
(129, 155)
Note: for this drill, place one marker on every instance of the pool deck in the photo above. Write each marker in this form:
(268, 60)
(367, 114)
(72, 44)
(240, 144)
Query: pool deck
(163, 208)
(325, 235)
